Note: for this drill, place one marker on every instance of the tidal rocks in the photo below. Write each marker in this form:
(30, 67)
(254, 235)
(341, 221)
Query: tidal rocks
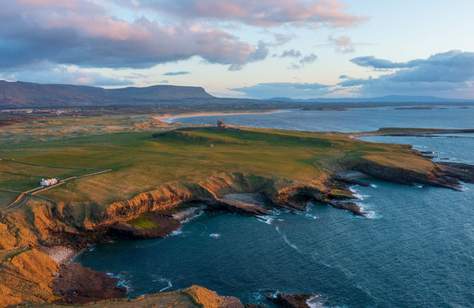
(463, 172)
(437, 176)
(76, 284)
(348, 206)
(192, 297)
(238, 206)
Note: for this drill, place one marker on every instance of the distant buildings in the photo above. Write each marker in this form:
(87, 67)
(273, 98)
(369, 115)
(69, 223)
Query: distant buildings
(49, 182)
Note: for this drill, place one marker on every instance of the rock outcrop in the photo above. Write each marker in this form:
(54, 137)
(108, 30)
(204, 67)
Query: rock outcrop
(28, 274)
(290, 300)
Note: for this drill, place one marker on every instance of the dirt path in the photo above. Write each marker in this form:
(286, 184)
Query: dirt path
(21, 198)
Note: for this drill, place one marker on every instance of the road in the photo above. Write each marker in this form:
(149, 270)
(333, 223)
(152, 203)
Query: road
(21, 198)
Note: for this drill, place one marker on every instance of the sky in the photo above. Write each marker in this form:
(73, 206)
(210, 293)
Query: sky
(245, 48)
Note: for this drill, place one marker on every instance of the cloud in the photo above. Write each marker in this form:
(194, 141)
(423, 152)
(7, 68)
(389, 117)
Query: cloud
(449, 74)
(342, 44)
(63, 74)
(381, 64)
(257, 55)
(178, 73)
(282, 38)
(291, 53)
(84, 33)
(308, 59)
(285, 89)
(261, 13)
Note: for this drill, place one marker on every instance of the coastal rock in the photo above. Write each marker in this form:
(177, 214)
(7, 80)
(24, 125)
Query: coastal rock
(349, 206)
(146, 226)
(463, 172)
(290, 300)
(428, 173)
(76, 284)
(193, 297)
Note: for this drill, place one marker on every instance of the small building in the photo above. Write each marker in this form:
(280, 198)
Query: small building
(221, 124)
(49, 182)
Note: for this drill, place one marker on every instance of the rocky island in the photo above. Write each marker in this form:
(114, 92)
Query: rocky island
(145, 182)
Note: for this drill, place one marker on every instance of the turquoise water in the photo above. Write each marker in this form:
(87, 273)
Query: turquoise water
(415, 250)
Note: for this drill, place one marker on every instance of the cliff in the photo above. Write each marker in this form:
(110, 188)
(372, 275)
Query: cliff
(156, 181)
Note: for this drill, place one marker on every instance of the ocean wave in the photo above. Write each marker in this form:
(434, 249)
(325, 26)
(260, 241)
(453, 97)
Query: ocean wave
(286, 240)
(367, 208)
(215, 235)
(374, 185)
(123, 281)
(357, 194)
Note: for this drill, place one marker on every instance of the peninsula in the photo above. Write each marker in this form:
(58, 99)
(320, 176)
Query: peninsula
(143, 181)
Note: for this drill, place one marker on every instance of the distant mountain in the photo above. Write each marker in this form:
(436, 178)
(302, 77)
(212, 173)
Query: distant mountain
(397, 99)
(25, 94)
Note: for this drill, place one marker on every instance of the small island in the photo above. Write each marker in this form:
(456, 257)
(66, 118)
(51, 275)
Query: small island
(145, 181)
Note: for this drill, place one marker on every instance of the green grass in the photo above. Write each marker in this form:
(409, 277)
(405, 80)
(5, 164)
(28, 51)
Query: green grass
(143, 222)
(142, 161)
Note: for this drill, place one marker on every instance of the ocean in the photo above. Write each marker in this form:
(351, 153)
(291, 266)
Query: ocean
(416, 248)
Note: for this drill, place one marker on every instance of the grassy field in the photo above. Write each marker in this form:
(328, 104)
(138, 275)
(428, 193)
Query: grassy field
(143, 160)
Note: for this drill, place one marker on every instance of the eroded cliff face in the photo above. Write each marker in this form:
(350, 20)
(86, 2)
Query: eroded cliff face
(27, 273)
(27, 276)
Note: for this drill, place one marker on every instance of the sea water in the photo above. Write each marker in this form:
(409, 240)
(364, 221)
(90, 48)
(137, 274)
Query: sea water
(415, 250)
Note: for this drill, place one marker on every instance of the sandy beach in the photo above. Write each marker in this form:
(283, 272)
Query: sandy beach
(170, 118)
(60, 254)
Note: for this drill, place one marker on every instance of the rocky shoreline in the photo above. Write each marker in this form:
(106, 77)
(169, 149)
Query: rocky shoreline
(35, 274)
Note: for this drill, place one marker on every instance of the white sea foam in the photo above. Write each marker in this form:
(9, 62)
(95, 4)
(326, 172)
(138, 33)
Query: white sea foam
(169, 285)
(311, 216)
(357, 194)
(215, 235)
(286, 240)
(369, 213)
(315, 301)
(373, 186)
(123, 282)
(266, 219)
(176, 232)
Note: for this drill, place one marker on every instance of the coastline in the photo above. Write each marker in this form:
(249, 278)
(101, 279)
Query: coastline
(172, 118)
(133, 217)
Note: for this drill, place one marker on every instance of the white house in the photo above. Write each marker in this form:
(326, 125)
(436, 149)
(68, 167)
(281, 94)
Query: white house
(49, 182)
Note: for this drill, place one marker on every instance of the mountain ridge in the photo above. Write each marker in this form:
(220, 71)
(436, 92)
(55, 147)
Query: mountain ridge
(20, 94)
(27, 94)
